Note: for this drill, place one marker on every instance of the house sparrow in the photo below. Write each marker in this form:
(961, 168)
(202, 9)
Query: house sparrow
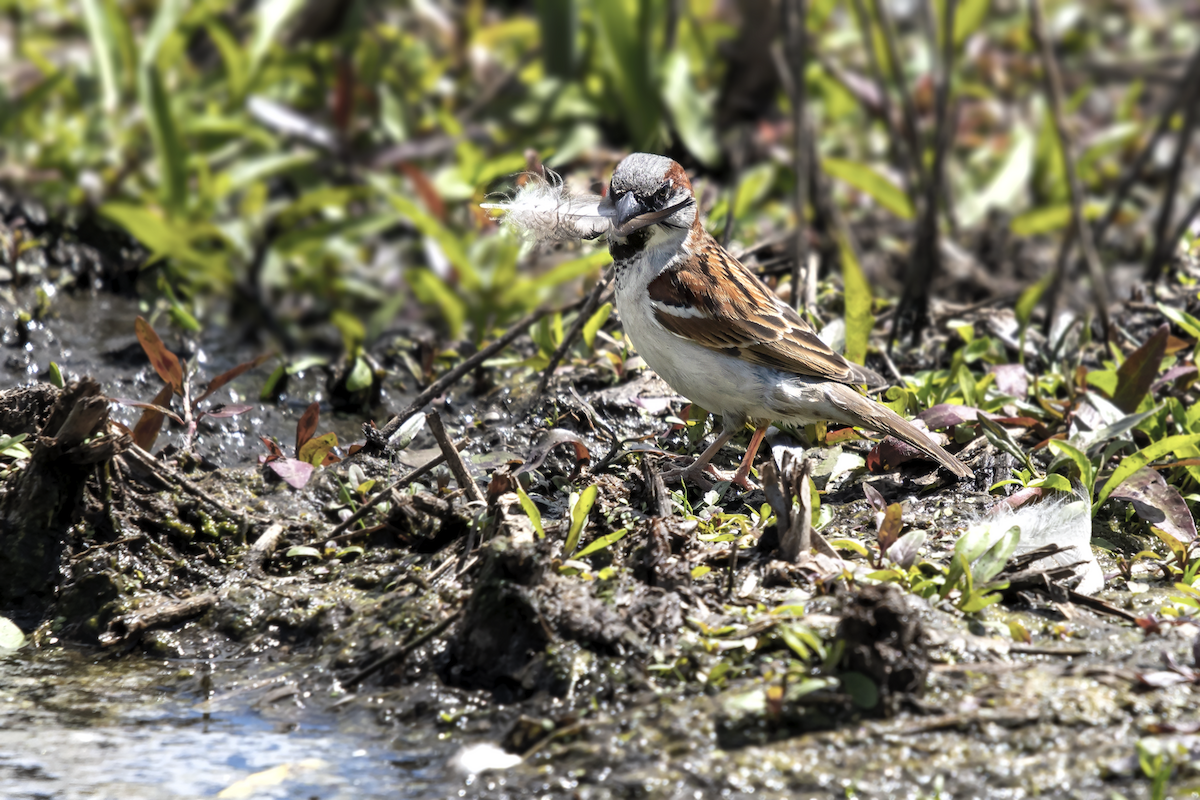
(713, 331)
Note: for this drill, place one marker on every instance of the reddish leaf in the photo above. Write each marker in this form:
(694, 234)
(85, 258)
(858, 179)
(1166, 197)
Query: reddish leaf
(1137, 373)
(874, 498)
(316, 449)
(165, 363)
(889, 527)
(1175, 344)
(273, 451)
(842, 435)
(145, 432)
(1018, 498)
(891, 453)
(1158, 503)
(307, 425)
(354, 448)
(943, 415)
(1180, 375)
(424, 189)
(343, 96)
(227, 376)
(295, 473)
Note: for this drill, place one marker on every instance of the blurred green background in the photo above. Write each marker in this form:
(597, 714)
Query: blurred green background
(315, 161)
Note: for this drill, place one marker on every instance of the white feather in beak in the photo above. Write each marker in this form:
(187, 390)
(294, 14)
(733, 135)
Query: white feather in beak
(544, 210)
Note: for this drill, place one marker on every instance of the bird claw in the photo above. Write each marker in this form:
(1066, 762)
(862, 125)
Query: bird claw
(698, 475)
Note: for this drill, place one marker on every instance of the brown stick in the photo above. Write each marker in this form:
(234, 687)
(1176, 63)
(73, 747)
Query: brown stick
(1083, 232)
(382, 494)
(402, 652)
(796, 24)
(908, 112)
(156, 616)
(897, 145)
(1184, 88)
(1163, 243)
(585, 313)
(454, 458)
(452, 377)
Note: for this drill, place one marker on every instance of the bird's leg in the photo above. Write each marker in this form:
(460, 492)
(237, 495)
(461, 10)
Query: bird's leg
(694, 472)
(740, 478)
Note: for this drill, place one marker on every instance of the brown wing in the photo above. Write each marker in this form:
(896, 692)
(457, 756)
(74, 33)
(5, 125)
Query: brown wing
(715, 301)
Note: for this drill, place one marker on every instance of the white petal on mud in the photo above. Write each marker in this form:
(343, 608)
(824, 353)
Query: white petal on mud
(544, 210)
(473, 759)
(1065, 521)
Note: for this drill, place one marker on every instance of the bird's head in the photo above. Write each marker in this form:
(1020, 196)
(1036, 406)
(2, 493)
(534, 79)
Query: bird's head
(649, 190)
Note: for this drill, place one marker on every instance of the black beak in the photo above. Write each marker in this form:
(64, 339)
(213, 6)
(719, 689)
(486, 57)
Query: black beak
(627, 209)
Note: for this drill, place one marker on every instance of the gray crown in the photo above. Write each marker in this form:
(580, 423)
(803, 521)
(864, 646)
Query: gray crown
(640, 173)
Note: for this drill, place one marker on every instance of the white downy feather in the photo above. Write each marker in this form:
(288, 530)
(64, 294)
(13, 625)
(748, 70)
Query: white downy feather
(1065, 521)
(544, 210)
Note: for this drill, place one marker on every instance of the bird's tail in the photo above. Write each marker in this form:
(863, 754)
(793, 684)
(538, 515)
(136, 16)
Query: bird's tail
(865, 412)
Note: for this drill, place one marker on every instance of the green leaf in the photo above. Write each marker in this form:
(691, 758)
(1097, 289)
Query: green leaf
(1041, 220)
(862, 690)
(958, 570)
(166, 21)
(691, 110)
(991, 562)
(969, 18)
(558, 21)
(859, 319)
(531, 510)
(360, 377)
(56, 376)
(1030, 297)
(272, 16)
(579, 514)
(1087, 470)
(251, 170)
(1184, 320)
(430, 289)
(595, 323)
(849, 544)
(978, 602)
(870, 182)
(105, 50)
(601, 542)
(624, 38)
(172, 165)
(792, 639)
(303, 550)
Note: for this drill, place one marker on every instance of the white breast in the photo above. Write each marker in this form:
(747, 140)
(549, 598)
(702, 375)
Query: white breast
(722, 384)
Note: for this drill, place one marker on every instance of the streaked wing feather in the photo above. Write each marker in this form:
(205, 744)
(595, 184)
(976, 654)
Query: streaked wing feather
(716, 302)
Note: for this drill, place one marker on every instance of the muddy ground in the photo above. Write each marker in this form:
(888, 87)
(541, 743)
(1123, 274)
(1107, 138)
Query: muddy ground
(683, 659)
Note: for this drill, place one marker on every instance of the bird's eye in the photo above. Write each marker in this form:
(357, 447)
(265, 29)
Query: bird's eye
(661, 195)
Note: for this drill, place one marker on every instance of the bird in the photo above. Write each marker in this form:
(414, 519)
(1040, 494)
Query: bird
(717, 334)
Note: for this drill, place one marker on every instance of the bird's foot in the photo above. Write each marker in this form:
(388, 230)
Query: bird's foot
(698, 474)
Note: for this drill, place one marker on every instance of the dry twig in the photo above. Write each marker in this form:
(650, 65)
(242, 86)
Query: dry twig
(453, 458)
(585, 313)
(1083, 232)
(795, 23)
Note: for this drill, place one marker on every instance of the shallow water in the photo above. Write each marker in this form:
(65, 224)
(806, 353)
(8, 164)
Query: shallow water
(73, 726)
